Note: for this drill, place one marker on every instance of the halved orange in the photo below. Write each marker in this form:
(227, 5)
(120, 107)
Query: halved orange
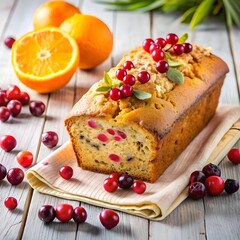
(45, 59)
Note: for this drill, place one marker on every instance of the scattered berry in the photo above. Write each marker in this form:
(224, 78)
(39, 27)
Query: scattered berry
(128, 65)
(139, 187)
(110, 184)
(125, 181)
(13, 92)
(161, 42)
(79, 215)
(126, 90)
(3, 99)
(178, 49)
(4, 114)
(10, 203)
(15, 176)
(154, 47)
(197, 176)
(25, 98)
(211, 170)
(214, 185)
(231, 186)
(234, 155)
(143, 77)
(9, 41)
(109, 218)
(147, 43)
(114, 175)
(115, 94)
(197, 190)
(121, 73)
(162, 66)
(172, 38)
(8, 143)
(37, 108)
(129, 79)
(66, 172)
(157, 55)
(50, 139)
(24, 158)
(64, 212)
(15, 107)
(3, 172)
(187, 47)
(47, 213)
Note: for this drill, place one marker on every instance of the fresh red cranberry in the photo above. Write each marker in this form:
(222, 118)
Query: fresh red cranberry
(172, 38)
(126, 90)
(187, 47)
(125, 181)
(154, 47)
(15, 107)
(110, 184)
(129, 79)
(157, 55)
(109, 218)
(114, 175)
(231, 186)
(121, 73)
(4, 114)
(25, 98)
(178, 49)
(143, 77)
(37, 108)
(128, 65)
(3, 99)
(47, 213)
(3, 172)
(15, 176)
(79, 215)
(9, 41)
(64, 212)
(162, 66)
(214, 185)
(161, 42)
(197, 190)
(13, 92)
(139, 187)
(10, 203)
(147, 43)
(66, 172)
(211, 170)
(234, 155)
(8, 143)
(50, 139)
(197, 176)
(115, 94)
(24, 158)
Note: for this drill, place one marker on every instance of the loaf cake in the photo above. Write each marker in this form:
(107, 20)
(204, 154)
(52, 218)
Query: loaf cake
(143, 137)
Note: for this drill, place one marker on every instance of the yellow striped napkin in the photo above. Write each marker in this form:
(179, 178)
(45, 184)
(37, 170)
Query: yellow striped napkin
(160, 198)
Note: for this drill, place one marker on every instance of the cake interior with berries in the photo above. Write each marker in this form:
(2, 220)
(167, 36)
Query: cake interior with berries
(145, 111)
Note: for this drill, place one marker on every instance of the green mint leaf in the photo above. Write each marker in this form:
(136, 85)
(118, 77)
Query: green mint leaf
(175, 75)
(183, 38)
(118, 85)
(107, 79)
(139, 94)
(171, 63)
(103, 89)
(166, 56)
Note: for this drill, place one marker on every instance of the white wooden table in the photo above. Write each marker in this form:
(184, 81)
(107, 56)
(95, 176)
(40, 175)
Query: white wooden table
(211, 218)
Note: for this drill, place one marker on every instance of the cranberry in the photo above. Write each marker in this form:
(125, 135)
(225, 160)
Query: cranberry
(157, 55)
(147, 43)
(37, 108)
(109, 218)
(8, 143)
(13, 92)
(234, 155)
(197, 176)
(15, 176)
(15, 107)
(114, 175)
(187, 47)
(64, 212)
(121, 73)
(161, 42)
(214, 185)
(9, 41)
(10, 203)
(129, 79)
(115, 94)
(47, 213)
(178, 49)
(128, 65)
(50, 139)
(139, 187)
(3, 172)
(24, 158)
(66, 172)
(3, 99)
(4, 114)
(231, 186)
(197, 190)
(172, 38)
(211, 170)
(126, 90)
(110, 184)
(154, 47)
(162, 66)
(143, 77)
(79, 215)
(25, 98)
(125, 181)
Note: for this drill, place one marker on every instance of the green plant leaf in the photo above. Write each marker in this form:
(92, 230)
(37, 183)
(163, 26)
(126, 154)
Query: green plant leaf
(175, 75)
(103, 89)
(107, 79)
(139, 94)
(171, 63)
(118, 85)
(183, 38)
(187, 15)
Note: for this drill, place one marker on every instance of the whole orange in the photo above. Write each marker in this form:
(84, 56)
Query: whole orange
(94, 39)
(53, 13)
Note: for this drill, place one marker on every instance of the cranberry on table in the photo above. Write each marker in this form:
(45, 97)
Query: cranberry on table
(66, 172)
(197, 176)
(139, 187)
(147, 43)
(79, 215)
(9, 41)
(162, 66)
(115, 94)
(214, 185)
(172, 38)
(4, 114)
(211, 170)
(234, 155)
(24, 158)
(114, 175)
(197, 190)
(129, 79)
(231, 186)
(10, 203)
(15, 176)
(110, 184)
(109, 218)
(178, 49)
(47, 213)
(13, 92)
(143, 77)
(125, 181)
(157, 55)
(8, 143)
(121, 73)
(37, 108)
(24, 98)
(15, 107)
(64, 212)
(128, 65)
(50, 139)
(3, 172)
(187, 47)
(3, 99)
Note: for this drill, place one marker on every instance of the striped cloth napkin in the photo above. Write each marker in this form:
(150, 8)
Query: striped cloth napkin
(160, 198)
